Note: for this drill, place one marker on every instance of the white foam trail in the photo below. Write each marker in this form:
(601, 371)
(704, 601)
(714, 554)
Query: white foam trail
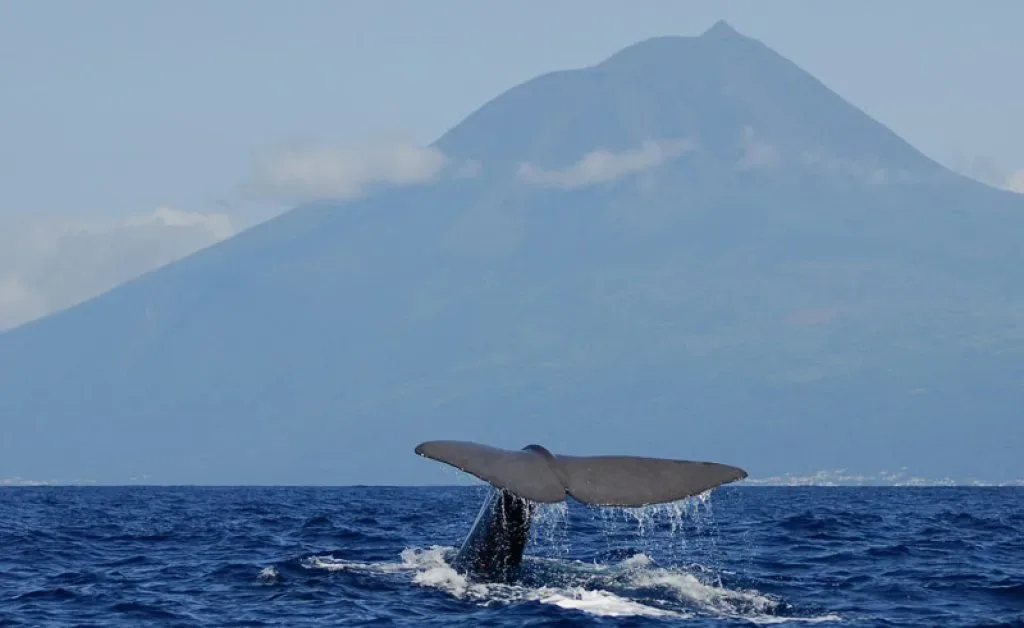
(687, 588)
(330, 563)
(749, 605)
(432, 571)
(605, 604)
(587, 587)
(767, 619)
(269, 575)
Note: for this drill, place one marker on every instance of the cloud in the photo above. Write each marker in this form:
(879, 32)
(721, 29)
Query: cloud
(1015, 182)
(987, 171)
(308, 172)
(757, 153)
(602, 165)
(216, 225)
(866, 171)
(51, 264)
(17, 302)
(981, 168)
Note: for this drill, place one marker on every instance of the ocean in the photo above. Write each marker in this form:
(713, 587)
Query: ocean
(284, 556)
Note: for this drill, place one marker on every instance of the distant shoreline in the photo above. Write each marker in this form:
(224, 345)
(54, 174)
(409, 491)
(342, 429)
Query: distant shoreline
(756, 484)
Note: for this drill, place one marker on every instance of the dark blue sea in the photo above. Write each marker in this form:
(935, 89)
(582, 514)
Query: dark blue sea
(146, 556)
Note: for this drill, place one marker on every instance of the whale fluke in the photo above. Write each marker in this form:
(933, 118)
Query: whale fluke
(524, 473)
(537, 475)
(494, 547)
(636, 481)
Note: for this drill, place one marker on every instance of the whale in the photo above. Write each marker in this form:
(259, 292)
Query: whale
(522, 479)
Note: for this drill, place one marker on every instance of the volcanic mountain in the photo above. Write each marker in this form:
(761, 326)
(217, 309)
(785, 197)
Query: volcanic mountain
(692, 249)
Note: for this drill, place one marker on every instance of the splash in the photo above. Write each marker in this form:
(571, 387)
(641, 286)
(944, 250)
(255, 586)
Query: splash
(549, 528)
(671, 527)
(431, 570)
(633, 587)
(677, 513)
(269, 575)
(605, 604)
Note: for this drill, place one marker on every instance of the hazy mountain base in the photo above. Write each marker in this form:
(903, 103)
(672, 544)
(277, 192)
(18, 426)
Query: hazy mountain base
(864, 363)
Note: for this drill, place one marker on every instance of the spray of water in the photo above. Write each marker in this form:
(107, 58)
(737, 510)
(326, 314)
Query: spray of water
(633, 585)
(549, 529)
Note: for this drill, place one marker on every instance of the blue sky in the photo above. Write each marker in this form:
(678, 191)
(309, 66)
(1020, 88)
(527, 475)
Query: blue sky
(122, 117)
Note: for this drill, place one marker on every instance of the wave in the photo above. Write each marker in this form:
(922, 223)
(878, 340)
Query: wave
(633, 587)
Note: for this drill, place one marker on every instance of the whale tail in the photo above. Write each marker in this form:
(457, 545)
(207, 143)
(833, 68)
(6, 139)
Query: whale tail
(495, 544)
(536, 474)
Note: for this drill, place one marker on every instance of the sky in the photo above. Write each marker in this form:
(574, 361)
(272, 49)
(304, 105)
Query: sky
(134, 133)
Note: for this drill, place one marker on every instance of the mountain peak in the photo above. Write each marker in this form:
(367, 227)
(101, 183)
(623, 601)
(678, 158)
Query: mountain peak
(723, 89)
(720, 30)
(651, 48)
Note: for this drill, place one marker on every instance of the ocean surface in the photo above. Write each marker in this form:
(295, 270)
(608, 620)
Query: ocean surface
(147, 556)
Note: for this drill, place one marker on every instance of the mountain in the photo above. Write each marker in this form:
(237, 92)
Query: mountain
(690, 249)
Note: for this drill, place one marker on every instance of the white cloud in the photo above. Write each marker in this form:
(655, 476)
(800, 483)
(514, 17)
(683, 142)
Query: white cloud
(866, 171)
(987, 171)
(756, 152)
(1015, 182)
(48, 265)
(980, 168)
(307, 172)
(602, 165)
(17, 302)
(216, 225)
(759, 154)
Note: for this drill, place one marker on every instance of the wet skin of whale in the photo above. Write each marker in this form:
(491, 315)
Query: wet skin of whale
(493, 549)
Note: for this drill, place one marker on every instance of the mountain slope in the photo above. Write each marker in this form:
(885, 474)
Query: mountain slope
(753, 271)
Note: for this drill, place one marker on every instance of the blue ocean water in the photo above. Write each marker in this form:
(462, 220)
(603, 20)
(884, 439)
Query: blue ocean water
(147, 556)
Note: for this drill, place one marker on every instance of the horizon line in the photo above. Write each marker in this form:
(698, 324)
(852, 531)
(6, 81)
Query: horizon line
(1019, 484)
